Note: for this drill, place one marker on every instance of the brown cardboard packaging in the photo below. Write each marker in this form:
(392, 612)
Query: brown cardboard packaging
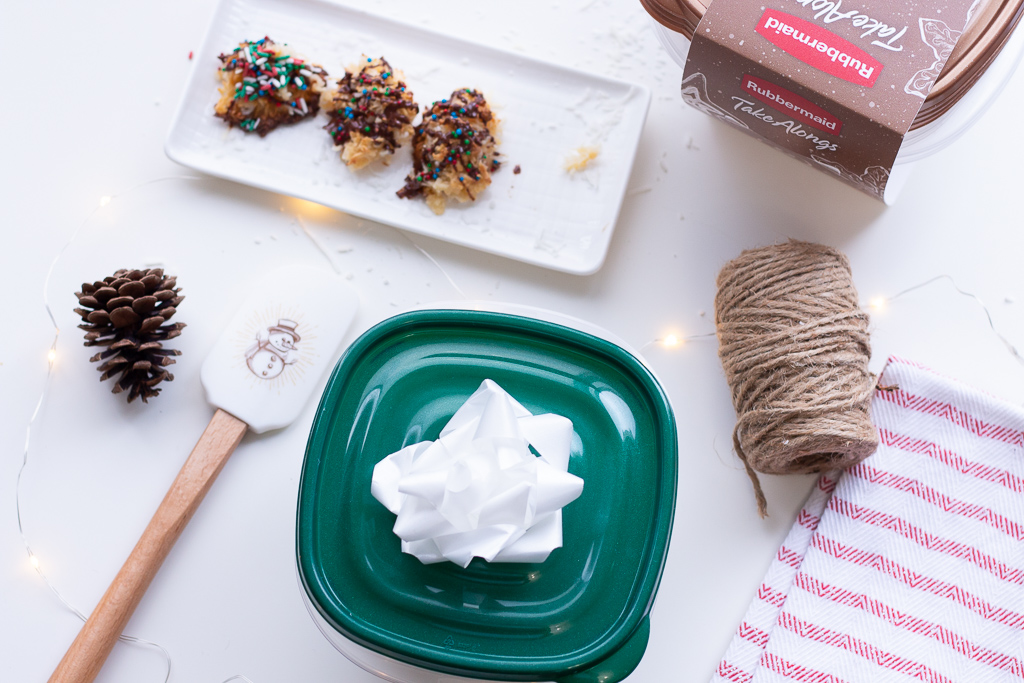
(836, 83)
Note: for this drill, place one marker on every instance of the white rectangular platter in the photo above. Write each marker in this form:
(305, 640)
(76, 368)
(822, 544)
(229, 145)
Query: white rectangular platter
(542, 215)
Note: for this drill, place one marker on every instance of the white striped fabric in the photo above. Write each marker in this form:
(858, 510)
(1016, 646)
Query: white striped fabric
(909, 566)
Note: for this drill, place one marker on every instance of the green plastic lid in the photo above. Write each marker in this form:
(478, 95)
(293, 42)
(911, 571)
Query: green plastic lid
(581, 615)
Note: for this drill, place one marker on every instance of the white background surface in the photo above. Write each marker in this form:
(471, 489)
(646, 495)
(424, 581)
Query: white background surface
(85, 115)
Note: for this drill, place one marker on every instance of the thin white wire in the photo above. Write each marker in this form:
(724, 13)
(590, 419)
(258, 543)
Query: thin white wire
(988, 314)
(327, 255)
(434, 261)
(678, 341)
(316, 243)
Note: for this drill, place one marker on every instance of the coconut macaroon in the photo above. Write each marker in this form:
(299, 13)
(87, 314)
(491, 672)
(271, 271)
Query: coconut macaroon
(371, 112)
(263, 85)
(454, 151)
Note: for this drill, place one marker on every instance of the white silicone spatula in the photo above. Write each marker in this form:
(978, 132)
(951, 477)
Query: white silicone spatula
(259, 376)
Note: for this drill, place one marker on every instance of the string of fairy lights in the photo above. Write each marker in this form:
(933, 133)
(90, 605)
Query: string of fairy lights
(669, 341)
(877, 304)
(51, 359)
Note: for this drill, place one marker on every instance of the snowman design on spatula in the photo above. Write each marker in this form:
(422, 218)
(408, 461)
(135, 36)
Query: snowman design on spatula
(274, 349)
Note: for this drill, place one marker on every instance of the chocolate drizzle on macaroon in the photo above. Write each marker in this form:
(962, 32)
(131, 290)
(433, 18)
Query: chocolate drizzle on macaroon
(263, 86)
(371, 112)
(454, 151)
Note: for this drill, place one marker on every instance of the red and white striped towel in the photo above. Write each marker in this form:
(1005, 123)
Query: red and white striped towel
(909, 566)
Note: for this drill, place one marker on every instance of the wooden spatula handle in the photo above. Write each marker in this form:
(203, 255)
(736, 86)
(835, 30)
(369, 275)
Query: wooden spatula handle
(85, 657)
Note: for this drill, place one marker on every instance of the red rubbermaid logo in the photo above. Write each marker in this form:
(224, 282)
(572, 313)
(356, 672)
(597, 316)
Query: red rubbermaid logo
(820, 48)
(790, 103)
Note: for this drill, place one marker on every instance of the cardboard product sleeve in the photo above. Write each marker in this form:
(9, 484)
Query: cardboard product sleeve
(836, 83)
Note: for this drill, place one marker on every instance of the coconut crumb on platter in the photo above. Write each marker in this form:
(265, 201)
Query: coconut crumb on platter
(580, 158)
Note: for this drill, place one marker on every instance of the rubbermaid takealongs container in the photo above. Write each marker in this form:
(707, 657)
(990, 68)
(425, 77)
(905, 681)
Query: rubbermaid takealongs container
(988, 29)
(982, 63)
(581, 616)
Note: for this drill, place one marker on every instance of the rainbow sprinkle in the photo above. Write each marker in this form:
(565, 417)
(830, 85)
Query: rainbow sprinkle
(265, 71)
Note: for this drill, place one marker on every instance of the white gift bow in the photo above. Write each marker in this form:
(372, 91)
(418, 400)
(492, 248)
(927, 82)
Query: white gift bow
(478, 491)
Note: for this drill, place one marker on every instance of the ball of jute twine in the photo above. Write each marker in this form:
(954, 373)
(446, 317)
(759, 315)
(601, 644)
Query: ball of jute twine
(795, 347)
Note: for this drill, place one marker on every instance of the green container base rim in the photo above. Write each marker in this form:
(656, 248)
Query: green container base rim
(346, 568)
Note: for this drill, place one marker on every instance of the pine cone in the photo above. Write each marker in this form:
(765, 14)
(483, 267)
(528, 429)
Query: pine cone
(126, 313)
